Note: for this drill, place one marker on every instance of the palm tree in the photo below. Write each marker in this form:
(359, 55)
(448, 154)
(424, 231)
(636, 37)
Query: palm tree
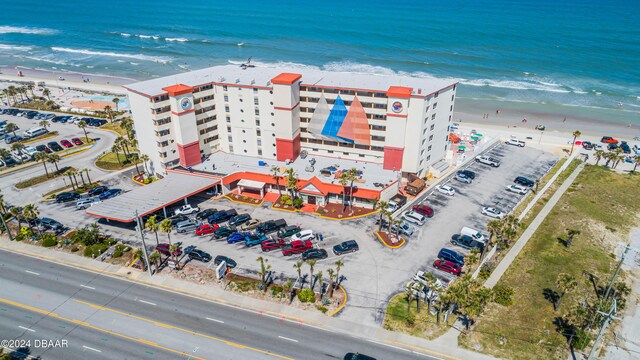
(74, 172)
(12, 93)
(263, 270)
(331, 273)
(382, 206)
(114, 149)
(618, 158)
(537, 182)
(54, 159)
(566, 283)
(166, 227)
(17, 147)
(287, 287)
(16, 212)
(312, 264)
(123, 144)
(87, 171)
(352, 175)
(292, 182)
(11, 128)
(339, 264)
(575, 134)
(343, 180)
(494, 227)
(127, 125)
(320, 283)
(145, 158)
(3, 208)
(152, 225)
(430, 281)
(45, 124)
(46, 93)
(275, 173)
(154, 258)
(30, 88)
(173, 249)
(19, 91)
(609, 156)
(42, 156)
(636, 162)
(599, 154)
(69, 173)
(409, 291)
(83, 125)
(116, 101)
(30, 212)
(571, 233)
(298, 267)
(107, 109)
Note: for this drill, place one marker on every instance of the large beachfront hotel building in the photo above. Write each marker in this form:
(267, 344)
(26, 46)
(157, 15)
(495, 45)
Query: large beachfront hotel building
(237, 122)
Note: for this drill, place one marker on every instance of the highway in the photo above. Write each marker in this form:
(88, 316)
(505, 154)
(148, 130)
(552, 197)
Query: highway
(107, 317)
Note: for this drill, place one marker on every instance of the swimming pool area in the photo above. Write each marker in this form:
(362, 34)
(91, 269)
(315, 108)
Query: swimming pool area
(122, 105)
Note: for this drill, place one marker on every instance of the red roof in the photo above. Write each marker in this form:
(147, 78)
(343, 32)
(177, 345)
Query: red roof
(399, 92)
(286, 79)
(178, 89)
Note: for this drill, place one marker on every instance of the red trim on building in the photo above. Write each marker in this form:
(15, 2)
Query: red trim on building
(287, 149)
(189, 154)
(183, 112)
(392, 158)
(286, 79)
(398, 115)
(178, 89)
(399, 92)
(287, 109)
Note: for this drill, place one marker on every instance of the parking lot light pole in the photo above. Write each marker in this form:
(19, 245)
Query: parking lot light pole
(144, 245)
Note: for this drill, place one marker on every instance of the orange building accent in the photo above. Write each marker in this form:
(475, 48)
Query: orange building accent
(189, 154)
(286, 79)
(355, 125)
(287, 149)
(392, 158)
(399, 92)
(178, 89)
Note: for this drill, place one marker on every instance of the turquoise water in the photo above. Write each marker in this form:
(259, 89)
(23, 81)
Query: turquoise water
(575, 56)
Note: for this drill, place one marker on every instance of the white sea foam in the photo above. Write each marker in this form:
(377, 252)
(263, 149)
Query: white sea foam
(144, 36)
(125, 34)
(113, 54)
(15, 47)
(47, 58)
(515, 85)
(26, 30)
(177, 39)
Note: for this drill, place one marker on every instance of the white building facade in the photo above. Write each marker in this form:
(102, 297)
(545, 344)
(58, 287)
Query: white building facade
(399, 122)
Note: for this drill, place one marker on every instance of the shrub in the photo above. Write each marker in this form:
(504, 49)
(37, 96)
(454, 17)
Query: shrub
(297, 203)
(503, 295)
(87, 251)
(411, 319)
(95, 250)
(49, 240)
(285, 198)
(307, 295)
(147, 181)
(289, 202)
(322, 308)
(277, 292)
(581, 340)
(74, 249)
(245, 198)
(485, 270)
(117, 254)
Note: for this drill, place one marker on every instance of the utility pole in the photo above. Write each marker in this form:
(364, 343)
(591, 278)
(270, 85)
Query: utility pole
(615, 274)
(144, 245)
(609, 316)
(4, 223)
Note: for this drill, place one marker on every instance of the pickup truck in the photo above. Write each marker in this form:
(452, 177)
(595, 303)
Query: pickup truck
(254, 239)
(488, 160)
(272, 244)
(187, 210)
(396, 202)
(296, 247)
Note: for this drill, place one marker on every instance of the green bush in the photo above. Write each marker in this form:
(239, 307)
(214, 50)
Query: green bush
(322, 308)
(74, 249)
(298, 202)
(49, 240)
(88, 251)
(581, 340)
(285, 198)
(307, 295)
(503, 295)
(411, 319)
(117, 254)
(277, 292)
(95, 250)
(485, 270)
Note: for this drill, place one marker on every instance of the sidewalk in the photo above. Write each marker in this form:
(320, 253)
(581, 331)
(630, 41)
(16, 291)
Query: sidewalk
(441, 348)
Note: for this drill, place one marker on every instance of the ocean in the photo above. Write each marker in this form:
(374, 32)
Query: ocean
(572, 58)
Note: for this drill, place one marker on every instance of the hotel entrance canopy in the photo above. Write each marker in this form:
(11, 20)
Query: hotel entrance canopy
(153, 197)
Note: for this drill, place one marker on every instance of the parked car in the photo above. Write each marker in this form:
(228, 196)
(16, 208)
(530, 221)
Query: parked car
(488, 160)
(289, 231)
(625, 147)
(236, 237)
(250, 225)
(296, 247)
(186, 210)
(414, 218)
(110, 193)
(447, 266)
(314, 254)
(385, 223)
(463, 178)
(164, 249)
(450, 255)
(223, 232)
(587, 145)
(468, 173)
(346, 247)
(185, 226)
(12, 138)
(199, 255)
(466, 242)
(518, 189)
(272, 244)
(9, 161)
(66, 143)
(402, 228)
(67, 196)
(608, 140)
(493, 212)
(446, 189)
(54, 146)
(612, 146)
(222, 216)
(77, 141)
(86, 203)
(48, 223)
(44, 148)
(205, 214)
(97, 190)
(423, 210)
(303, 235)
(178, 219)
(515, 142)
(524, 181)
(270, 226)
(239, 219)
(254, 239)
(230, 262)
(206, 229)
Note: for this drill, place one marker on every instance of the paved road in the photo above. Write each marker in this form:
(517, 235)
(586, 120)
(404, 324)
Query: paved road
(136, 319)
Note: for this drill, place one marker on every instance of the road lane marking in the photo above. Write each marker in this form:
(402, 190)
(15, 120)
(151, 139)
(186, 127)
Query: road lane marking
(90, 348)
(31, 272)
(26, 328)
(146, 302)
(422, 351)
(88, 287)
(216, 320)
(391, 346)
(288, 339)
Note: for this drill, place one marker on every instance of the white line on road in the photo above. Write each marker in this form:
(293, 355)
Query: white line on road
(391, 346)
(90, 348)
(419, 353)
(31, 272)
(88, 287)
(26, 328)
(147, 302)
(216, 320)
(288, 339)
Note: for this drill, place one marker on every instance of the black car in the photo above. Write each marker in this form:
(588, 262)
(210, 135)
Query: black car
(223, 232)
(289, 231)
(625, 147)
(450, 255)
(178, 218)
(54, 146)
(346, 247)
(313, 254)
(9, 161)
(524, 181)
(205, 214)
(357, 356)
(11, 139)
(468, 173)
(222, 216)
(199, 255)
(220, 258)
(67, 196)
(612, 146)
(48, 223)
(97, 190)
(44, 148)
(270, 226)
(239, 219)
(466, 242)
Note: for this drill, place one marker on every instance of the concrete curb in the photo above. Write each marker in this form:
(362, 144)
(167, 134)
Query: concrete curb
(402, 242)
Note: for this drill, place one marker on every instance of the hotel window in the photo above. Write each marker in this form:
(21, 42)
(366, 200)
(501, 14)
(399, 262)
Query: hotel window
(433, 117)
(330, 151)
(224, 88)
(240, 99)
(259, 152)
(226, 108)
(379, 106)
(255, 90)
(378, 127)
(380, 94)
(377, 138)
(226, 98)
(244, 131)
(451, 108)
(452, 96)
(429, 157)
(259, 142)
(430, 137)
(435, 96)
(230, 139)
(228, 119)
(433, 126)
(257, 122)
(230, 148)
(258, 133)
(228, 128)
(345, 153)
(361, 155)
(257, 111)
(256, 101)
(429, 148)
(378, 117)
(435, 104)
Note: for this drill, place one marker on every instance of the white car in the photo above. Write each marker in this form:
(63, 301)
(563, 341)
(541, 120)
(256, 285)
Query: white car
(187, 210)
(303, 235)
(515, 142)
(493, 212)
(517, 189)
(30, 151)
(446, 189)
(463, 179)
(488, 160)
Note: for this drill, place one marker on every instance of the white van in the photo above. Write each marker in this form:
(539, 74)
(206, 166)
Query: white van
(33, 132)
(475, 234)
(414, 218)
(86, 203)
(185, 226)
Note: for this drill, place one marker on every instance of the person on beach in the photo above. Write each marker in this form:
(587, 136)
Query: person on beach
(565, 120)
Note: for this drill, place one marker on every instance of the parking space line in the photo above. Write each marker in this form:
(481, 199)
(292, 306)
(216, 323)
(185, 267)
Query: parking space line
(147, 302)
(88, 287)
(32, 272)
(215, 320)
(90, 348)
(26, 328)
(288, 339)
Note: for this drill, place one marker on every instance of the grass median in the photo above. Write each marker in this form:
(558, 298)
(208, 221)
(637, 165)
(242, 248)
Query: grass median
(113, 161)
(421, 324)
(601, 204)
(42, 178)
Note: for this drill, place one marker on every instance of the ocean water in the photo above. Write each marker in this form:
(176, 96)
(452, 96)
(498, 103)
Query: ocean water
(580, 58)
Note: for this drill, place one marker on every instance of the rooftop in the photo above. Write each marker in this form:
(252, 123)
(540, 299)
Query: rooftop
(262, 76)
(226, 164)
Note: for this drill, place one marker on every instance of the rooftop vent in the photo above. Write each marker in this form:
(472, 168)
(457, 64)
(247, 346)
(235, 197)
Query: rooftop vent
(222, 78)
(237, 81)
(253, 81)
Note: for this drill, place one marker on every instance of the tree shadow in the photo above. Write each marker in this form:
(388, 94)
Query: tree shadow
(22, 353)
(552, 296)
(562, 241)
(567, 330)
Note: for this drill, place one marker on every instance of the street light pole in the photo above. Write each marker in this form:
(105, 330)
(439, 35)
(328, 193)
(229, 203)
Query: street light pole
(615, 274)
(4, 223)
(609, 316)
(144, 245)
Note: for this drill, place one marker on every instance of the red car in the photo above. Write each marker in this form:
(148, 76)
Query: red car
(609, 140)
(206, 229)
(272, 244)
(447, 266)
(66, 143)
(424, 210)
(163, 249)
(77, 141)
